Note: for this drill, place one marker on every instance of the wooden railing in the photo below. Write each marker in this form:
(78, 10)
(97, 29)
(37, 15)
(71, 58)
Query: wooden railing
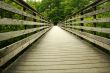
(91, 23)
(14, 41)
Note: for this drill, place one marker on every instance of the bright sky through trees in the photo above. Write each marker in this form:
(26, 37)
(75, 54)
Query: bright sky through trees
(34, 0)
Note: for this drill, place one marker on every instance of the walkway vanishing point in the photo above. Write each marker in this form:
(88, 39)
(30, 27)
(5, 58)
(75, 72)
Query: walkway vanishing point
(29, 43)
(61, 52)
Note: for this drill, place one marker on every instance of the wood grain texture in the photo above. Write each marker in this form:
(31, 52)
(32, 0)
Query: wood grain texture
(12, 34)
(101, 41)
(12, 50)
(61, 52)
(98, 29)
(9, 21)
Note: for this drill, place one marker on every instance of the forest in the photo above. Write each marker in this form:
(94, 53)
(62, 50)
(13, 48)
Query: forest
(58, 10)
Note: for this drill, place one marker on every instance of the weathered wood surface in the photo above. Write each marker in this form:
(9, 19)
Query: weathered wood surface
(98, 29)
(102, 10)
(10, 8)
(101, 41)
(61, 52)
(9, 21)
(12, 34)
(99, 20)
(10, 51)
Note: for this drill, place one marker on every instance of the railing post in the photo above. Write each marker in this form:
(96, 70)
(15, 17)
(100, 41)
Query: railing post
(34, 20)
(66, 23)
(94, 17)
(24, 17)
(70, 23)
(40, 21)
(0, 13)
(82, 20)
(74, 21)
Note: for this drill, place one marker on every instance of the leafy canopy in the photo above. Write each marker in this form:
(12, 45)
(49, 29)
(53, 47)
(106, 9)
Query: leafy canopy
(57, 10)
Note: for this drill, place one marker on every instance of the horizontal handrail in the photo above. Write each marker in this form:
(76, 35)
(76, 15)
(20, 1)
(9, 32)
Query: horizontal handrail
(15, 47)
(103, 10)
(101, 41)
(12, 34)
(8, 21)
(25, 5)
(10, 8)
(10, 51)
(98, 29)
(95, 3)
(90, 29)
(100, 20)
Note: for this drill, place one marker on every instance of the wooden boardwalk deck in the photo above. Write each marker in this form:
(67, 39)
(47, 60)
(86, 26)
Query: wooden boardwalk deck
(61, 52)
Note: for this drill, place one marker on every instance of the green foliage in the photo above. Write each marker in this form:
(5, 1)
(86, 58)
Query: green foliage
(8, 28)
(57, 10)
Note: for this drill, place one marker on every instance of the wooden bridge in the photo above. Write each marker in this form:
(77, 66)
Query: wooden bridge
(40, 47)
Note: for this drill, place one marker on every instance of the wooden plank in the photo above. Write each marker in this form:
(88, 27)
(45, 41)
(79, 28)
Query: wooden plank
(67, 55)
(100, 20)
(34, 23)
(27, 6)
(103, 10)
(98, 29)
(10, 8)
(8, 21)
(12, 34)
(10, 51)
(101, 41)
